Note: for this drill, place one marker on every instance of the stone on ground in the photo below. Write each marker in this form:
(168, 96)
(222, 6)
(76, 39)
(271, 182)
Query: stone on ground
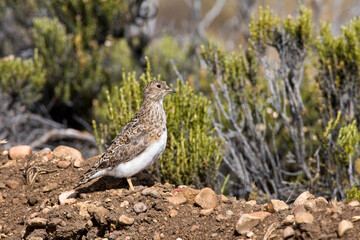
(206, 198)
(274, 206)
(20, 151)
(343, 226)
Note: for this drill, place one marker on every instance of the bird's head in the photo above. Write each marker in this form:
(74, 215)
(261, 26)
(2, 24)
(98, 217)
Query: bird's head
(156, 90)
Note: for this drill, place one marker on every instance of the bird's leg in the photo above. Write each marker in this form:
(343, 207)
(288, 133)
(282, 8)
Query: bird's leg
(130, 184)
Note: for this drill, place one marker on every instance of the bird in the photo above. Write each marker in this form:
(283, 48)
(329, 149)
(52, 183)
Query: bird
(140, 143)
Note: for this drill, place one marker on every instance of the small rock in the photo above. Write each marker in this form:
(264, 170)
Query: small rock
(190, 193)
(37, 222)
(12, 184)
(5, 153)
(45, 210)
(311, 205)
(150, 192)
(304, 217)
(206, 212)
(251, 202)
(354, 203)
(33, 215)
(77, 163)
(35, 238)
(68, 152)
(156, 236)
(261, 214)
(246, 223)
(229, 212)
(274, 206)
(250, 234)
(63, 164)
(206, 198)
(140, 207)
(2, 185)
(298, 209)
(8, 164)
(18, 152)
(320, 201)
(55, 222)
(173, 213)
(125, 220)
(15, 201)
(50, 187)
(288, 232)
(177, 200)
(221, 217)
(288, 220)
(124, 203)
(194, 228)
(302, 198)
(67, 197)
(343, 226)
(224, 199)
(99, 213)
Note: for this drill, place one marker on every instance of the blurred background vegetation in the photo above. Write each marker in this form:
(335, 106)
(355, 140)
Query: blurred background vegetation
(268, 91)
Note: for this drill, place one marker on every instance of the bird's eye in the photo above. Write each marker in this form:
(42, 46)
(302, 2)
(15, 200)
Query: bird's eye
(159, 86)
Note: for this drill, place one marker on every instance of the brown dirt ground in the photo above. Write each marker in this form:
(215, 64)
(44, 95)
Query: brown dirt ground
(27, 201)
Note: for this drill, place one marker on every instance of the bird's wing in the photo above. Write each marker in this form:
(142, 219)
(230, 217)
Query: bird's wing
(129, 143)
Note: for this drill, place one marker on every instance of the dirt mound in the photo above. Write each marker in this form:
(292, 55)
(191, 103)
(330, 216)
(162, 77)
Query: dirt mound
(30, 209)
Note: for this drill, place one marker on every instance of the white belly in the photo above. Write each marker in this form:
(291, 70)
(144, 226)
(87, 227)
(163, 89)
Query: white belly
(142, 161)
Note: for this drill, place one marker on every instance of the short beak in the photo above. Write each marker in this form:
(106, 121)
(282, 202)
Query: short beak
(170, 90)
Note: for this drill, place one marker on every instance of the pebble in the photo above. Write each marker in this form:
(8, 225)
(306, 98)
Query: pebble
(261, 214)
(303, 197)
(229, 212)
(288, 220)
(15, 201)
(12, 184)
(140, 207)
(50, 187)
(37, 222)
(150, 192)
(77, 163)
(221, 217)
(190, 193)
(251, 202)
(288, 232)
(177, 200)
(63, 164)
(206, 212)
(55, 222)
(246, 223)
(125, 220)
(274, 206)
(194, 228)
(67, 197)
(2, 185)
(224, 199)
(304, 217)
(343, 226)
(173, 213)
(5, 153)
(321, 200)
(99, 213)
(124, 203)
(20, 151)
(206, 198)
(68, 152)
(354, 203)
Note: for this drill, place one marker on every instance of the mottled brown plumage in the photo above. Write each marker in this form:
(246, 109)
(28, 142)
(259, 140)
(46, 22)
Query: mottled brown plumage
(140, 142)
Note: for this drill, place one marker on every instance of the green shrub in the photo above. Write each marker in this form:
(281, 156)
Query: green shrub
(193, 154)
(22, 80)
(353, 194)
